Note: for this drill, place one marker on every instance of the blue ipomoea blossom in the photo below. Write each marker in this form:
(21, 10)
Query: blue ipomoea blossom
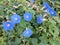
(46, 5)
(49, 9)
(27, 33)
(39, 19)
(32, 0)
(27, 16)
(15, 18)
(51, 12)
(8, 25)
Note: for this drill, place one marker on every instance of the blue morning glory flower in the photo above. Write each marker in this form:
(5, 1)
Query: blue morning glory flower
(27, 33)
(46, 5)
(39, 19)
(8, 25)
(49, 9)
(32, 0)
(15, 18)
(51, 12)
(27, 16)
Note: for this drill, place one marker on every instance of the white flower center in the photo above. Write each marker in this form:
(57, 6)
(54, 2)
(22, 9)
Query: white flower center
(27, 32)
(8, 25)
(27, 16)
(16, 18)
(52, 12)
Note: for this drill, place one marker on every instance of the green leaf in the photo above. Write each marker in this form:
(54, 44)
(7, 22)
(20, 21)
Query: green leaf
(34, 41)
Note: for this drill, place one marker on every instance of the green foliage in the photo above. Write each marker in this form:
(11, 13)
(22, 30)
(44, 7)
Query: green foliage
(47, 33)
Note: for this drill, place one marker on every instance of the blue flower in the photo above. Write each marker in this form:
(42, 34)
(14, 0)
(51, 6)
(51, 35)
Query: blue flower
(8, 25)
(15, 18)
(27, 16)
(51, 12)
(32, 0)
(49, 9)
(27, 33)
(46, 5)
(39, 19)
